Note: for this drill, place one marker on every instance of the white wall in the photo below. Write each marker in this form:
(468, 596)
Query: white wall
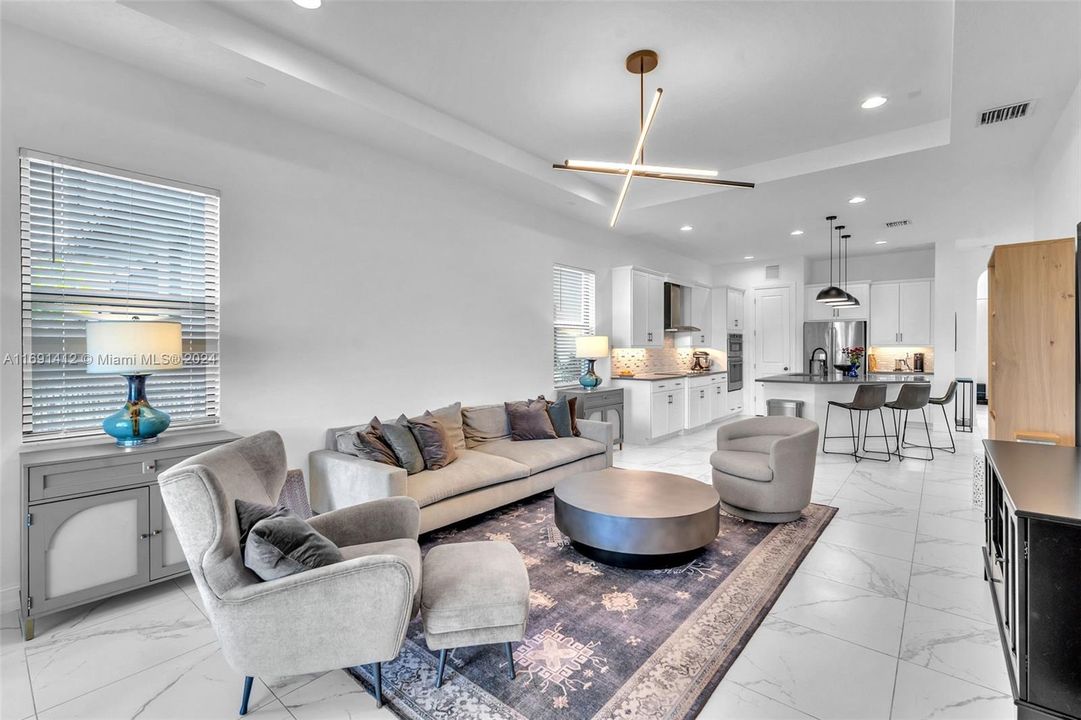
(353, 283)
(878, 267)
(957, 274)
(1057, 177)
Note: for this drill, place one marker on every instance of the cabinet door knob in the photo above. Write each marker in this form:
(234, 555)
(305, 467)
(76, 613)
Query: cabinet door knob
(144, 536)
(148, 466)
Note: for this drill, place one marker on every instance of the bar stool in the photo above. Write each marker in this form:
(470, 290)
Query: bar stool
(913, 396)
(942, 401)
(868, 398)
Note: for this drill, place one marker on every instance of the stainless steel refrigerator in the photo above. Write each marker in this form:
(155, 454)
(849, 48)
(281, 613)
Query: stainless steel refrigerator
(833, 337)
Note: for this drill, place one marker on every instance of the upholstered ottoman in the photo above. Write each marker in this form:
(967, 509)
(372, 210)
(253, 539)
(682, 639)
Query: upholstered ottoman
(474, 593)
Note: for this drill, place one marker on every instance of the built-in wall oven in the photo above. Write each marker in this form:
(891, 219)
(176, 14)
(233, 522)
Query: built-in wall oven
(735, 361)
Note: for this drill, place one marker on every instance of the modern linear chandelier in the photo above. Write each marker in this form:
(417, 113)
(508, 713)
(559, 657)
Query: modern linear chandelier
(639, 63)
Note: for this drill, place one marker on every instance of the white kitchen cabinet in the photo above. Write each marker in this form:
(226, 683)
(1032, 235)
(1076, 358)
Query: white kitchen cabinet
(699, 401)
(637, 308)
(718, 397)
(652, 408)
(735, 402)
(735, 310)
(702, 316)
(815, 311)
(901, 313)
(668, 409)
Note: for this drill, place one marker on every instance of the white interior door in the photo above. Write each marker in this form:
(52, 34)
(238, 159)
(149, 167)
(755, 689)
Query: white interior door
(773, 333)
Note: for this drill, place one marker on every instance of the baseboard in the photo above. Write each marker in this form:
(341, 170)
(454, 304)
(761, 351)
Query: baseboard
(9, 599)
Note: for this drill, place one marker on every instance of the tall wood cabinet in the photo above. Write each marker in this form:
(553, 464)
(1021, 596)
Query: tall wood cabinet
(93, 520)
(1031, 340)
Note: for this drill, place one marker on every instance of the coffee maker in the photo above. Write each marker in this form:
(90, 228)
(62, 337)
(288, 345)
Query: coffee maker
(702, 361)
(917, 362)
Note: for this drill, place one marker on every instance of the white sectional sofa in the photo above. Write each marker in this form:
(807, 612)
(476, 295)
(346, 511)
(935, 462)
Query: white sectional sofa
(491, 471)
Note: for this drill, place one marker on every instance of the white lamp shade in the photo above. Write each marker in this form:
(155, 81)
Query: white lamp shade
(591, 347)
(132, 347)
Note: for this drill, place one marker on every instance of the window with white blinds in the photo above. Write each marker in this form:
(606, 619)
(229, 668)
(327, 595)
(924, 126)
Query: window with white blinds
(573, 303)
(97, 244)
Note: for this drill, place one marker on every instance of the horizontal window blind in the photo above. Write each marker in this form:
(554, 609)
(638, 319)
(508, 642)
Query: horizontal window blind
(573, 304)
(102, 244)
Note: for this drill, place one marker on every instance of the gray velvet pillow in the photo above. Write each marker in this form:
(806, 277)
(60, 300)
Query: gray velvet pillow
(529, 420)
(435, 444)
(559, 412)
(370, 445)
(249, 513)
(400, 438)
(284, 545)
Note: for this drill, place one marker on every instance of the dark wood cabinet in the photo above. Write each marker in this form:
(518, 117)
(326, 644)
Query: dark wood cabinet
(1032, 561)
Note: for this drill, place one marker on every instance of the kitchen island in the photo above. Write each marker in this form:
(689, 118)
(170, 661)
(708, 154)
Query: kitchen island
(816, 391)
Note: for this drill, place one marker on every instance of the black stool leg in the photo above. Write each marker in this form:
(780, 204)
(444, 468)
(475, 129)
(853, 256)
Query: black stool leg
(247, 694)
(826, 428)
(442, 664)
(953, 445)
(870, 454)
(885, 437)
(510, 660)
(927, 428)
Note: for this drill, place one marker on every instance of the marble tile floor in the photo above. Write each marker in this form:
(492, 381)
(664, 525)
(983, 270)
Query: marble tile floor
(887, 617)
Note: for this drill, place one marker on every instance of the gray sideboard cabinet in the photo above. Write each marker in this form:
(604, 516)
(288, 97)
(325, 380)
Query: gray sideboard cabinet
(94, 524)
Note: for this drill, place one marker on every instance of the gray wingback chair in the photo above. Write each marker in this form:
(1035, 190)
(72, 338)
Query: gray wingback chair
(764, 467)
(351, 613)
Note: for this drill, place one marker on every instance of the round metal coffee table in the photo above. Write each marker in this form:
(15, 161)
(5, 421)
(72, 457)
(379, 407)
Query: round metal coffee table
(637, 518)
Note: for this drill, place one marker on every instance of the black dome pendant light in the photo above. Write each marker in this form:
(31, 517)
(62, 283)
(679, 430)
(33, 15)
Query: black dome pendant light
(832, 294)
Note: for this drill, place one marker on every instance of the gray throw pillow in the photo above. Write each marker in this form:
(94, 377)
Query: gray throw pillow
(400, 438)
(370, 445)
(286, 545)
(250, 513)
(451, 419)
(435, 444)
(559, 412)
(529, 420)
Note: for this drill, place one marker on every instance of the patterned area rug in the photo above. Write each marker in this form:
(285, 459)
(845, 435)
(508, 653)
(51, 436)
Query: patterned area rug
(605, 642)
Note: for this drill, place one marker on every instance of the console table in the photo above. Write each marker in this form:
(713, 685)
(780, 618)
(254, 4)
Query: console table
(598, 400)
(1032, 561)
(93, 521)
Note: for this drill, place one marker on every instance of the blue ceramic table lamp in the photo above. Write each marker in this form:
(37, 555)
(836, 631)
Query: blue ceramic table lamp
(133, 348)
(591, 348)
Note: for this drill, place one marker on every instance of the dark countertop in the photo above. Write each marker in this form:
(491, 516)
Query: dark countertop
(653, 377)
(838, 379)
(1041, 480)
(900, 372)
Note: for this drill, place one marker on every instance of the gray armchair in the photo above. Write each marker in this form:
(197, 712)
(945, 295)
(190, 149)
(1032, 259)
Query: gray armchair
(764, 467)
(351, 613)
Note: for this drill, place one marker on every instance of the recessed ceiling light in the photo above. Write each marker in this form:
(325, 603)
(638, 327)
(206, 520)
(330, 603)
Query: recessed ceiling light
(687, 228)
(869, 104)
(880, 242)
(748, 257)
(796, 232)
(309, 4)
(856, 200)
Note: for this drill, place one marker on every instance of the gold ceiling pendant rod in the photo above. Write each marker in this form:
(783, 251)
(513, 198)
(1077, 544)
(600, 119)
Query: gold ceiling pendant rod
(641, 62)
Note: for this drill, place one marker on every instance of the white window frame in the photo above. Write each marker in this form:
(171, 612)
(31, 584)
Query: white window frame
(169, 232)
(572, 321)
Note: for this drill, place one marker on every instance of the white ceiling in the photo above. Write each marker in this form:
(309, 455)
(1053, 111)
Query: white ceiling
(763, 91)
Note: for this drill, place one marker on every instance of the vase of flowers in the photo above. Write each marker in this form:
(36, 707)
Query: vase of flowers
(855, 354)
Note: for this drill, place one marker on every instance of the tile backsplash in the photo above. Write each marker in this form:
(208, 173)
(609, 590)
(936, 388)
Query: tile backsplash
(886, 356)
(651, 360)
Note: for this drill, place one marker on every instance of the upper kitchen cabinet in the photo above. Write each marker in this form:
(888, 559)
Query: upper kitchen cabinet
(637, 308)
(727, 317)
(901, 313)
(735, 310)
(816, 311)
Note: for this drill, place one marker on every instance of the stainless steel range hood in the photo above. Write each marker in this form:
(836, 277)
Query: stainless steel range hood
(677, 309)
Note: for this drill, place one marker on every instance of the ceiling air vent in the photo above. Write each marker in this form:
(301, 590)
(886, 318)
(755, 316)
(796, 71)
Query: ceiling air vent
(773, 272)
(898, 223)
(1004, 113)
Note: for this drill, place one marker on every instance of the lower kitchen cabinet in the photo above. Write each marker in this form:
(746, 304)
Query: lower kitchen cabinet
(718, 398)
(735, 402)
(667, 408)
(94, 522)
(657, 408)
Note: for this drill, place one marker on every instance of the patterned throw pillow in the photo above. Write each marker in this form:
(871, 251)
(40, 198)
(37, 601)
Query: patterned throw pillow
(529, 420)
(434, 442)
